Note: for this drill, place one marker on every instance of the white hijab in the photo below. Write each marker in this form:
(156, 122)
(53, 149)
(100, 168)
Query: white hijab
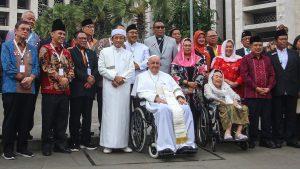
(233, 57)
(219, 93)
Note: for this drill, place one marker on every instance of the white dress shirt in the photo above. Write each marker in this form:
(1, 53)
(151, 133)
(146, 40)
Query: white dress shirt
(283, 57)
(247, 51)
(140, 56)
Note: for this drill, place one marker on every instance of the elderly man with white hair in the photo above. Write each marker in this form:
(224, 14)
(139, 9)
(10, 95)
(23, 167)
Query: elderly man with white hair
(117, 67)
(33, 39)
(173, 116)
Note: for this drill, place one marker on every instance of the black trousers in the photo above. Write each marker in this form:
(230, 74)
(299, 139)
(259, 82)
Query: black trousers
(259, 108)
(37, 89)
(17, 108)
(55, 112)
(284, 118)
(99, 101)
(80, 106)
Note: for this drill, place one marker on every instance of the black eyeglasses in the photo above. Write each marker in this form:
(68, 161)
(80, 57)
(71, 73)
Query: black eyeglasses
(160, 27)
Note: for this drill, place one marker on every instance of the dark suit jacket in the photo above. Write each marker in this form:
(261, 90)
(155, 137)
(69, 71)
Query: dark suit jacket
(81, 75)
(211, 52)
(240, 52)
(288, 79)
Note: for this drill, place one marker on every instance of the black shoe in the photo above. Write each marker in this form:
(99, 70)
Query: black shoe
(166, 152)
(89, 146)
(74, 147)
(186, 150)
(278, 144)
(60, 149)
(47, 151)
(267, 144)
(25, 153)
(29, 137)
(252, 144)
(9, 156)
(293, 144)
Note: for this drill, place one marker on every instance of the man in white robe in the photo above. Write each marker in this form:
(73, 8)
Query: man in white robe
(117, 67)
(173, 116)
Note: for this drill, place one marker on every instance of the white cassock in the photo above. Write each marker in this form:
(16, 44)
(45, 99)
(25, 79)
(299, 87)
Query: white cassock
(147, 86)
(115, 111)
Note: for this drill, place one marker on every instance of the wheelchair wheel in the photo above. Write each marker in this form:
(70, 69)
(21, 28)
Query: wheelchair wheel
(203, 128)
(138, 129)
(152, 150)
(244, 145)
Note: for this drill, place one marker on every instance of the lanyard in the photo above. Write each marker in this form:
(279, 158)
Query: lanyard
(30, 36)
(85, 55)
(20, 53)
(58, 55)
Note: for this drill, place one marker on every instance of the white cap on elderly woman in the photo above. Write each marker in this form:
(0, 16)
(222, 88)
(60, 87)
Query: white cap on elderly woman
(118, 32)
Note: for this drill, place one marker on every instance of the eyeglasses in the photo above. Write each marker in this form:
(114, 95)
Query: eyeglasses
(159, 27)
(213, 36)
(25, 29)
(90, 26)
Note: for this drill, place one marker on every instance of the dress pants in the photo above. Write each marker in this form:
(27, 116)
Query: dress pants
(80, 106)
(55, 112)
(284, 118)
(259, 108)
(17, 108)
(99, 101)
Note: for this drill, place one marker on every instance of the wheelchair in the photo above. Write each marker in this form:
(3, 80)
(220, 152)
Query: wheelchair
(209, 128)
(142, 128)
(143, 131)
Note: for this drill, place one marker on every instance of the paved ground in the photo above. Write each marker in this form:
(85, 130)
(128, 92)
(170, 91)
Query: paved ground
(228, 156)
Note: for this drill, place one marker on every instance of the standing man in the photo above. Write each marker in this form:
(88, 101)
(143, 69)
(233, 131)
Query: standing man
(175, 33)
(212, 44)
(82, 93)
(259, 79)
(20, 68)
(140, 51)
(117, 68)
(34, 40)
(57, 72)
(101, 44)
(163, 46)
(88, 27)
(286, 64)
(245, 50)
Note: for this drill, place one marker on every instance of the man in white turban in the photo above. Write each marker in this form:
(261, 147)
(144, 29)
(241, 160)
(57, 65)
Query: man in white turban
(117, 67)
(173, 116)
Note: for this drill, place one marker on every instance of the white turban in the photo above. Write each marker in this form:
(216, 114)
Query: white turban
(118, 32)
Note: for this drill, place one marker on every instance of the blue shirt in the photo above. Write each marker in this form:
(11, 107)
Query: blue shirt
(10, 68)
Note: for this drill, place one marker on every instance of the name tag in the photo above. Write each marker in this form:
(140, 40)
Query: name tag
(22, 68)
(89, 71)
(60, 71)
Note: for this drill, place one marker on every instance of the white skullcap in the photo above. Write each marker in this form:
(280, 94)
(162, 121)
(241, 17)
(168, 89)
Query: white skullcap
(118, 32)
(152, 56)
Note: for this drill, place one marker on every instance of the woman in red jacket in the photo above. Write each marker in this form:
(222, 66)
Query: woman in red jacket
(229, 64)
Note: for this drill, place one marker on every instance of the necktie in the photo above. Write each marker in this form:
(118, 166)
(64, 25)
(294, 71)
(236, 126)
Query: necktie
(83, 57)
(247, 50)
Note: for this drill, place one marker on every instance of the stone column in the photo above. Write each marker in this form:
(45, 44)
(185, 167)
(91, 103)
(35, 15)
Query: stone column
(239, 24)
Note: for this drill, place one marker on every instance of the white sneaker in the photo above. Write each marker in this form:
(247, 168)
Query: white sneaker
(228, 137)
(107, 150)
(241, 137)
(127, 150)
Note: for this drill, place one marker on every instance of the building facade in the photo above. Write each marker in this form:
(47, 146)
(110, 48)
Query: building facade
(258, 16)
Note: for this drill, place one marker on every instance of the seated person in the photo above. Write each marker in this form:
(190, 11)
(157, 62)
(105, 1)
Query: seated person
(227, 102)
(173, 116)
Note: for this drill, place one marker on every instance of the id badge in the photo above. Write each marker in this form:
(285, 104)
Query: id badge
(22, 68)
(89, 71)
(61, 72)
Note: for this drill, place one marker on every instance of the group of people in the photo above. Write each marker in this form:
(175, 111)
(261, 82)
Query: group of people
(171, 73)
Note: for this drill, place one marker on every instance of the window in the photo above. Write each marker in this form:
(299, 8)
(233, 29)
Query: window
(4, 3)
(3, 18)
(23, 4)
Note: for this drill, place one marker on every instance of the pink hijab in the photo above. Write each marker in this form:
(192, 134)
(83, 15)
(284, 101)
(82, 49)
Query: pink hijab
(180, 60)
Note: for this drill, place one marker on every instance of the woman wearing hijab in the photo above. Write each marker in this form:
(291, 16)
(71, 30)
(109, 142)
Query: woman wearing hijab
(229, 64)
(227, 102)
(296, 44)
(188, 70)
(200, 47)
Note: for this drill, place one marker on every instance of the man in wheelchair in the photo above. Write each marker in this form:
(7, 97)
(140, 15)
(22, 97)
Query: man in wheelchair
(227, 102)
(172, 115)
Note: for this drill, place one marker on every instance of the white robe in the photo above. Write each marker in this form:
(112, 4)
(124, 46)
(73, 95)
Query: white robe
(144, 87)
(115, 111)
